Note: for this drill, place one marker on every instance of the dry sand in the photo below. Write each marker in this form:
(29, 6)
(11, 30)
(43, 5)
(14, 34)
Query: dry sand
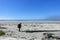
(12, 33)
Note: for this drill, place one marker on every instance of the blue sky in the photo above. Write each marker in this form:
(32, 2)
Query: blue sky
(29, 9)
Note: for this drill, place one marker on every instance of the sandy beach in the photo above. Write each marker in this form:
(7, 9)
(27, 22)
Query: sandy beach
(12, 33)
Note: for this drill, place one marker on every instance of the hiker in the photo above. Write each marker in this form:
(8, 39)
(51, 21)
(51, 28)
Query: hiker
(19, 26)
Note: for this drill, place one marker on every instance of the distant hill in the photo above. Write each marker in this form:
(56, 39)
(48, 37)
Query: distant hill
(52, 18)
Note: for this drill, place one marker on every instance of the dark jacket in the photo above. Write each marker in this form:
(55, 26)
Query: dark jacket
(19, 25)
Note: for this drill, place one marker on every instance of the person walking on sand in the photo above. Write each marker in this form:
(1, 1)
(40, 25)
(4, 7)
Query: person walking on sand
(19, 26)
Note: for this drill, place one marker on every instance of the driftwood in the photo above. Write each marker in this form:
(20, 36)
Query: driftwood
(31, 31)
(56, 37)
(50, 35)
(2, 27)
